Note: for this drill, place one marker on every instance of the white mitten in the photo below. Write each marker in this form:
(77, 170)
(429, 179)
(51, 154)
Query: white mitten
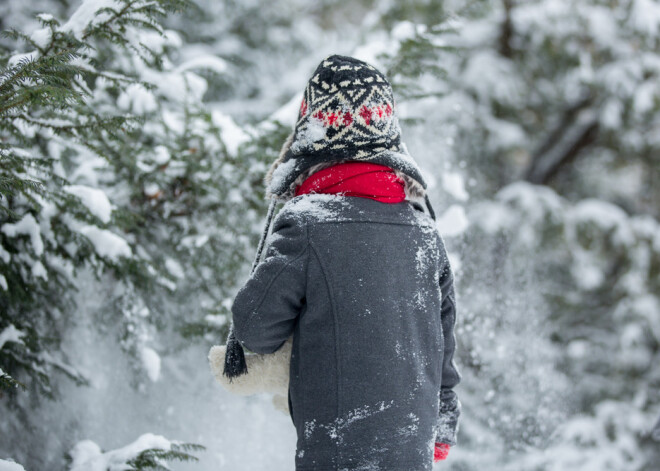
(266, 373)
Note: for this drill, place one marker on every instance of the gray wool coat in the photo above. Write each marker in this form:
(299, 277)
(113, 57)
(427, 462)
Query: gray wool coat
(367, 292)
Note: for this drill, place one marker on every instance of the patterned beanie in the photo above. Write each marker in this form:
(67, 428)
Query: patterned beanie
(347, 113)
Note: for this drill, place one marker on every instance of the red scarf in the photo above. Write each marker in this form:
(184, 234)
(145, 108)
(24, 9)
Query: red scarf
(366, 180)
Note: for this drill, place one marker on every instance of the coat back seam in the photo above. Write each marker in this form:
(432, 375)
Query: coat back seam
(326, 279)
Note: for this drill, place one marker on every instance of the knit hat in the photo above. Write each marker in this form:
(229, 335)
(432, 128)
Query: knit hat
(347, 113)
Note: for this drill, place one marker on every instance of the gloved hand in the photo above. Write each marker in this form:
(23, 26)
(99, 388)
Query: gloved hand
(441, 451)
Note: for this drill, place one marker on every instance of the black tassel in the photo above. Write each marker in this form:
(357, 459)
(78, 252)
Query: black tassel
(234, 358)
(428, 205)
(235, 364)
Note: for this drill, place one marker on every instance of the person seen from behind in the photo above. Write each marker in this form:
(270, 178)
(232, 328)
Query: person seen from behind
(356, 272)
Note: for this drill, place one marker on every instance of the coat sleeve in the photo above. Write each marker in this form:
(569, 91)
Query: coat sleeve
(450, 407)
(265, 309)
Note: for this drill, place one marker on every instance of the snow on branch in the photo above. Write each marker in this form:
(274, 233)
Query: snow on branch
(149, 451)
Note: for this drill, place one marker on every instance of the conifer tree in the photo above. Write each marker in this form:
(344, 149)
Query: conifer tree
(112, 168)
(166, 165)
(50, 227)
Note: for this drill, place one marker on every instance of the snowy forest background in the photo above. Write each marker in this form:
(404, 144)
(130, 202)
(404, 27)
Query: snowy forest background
(134, 136)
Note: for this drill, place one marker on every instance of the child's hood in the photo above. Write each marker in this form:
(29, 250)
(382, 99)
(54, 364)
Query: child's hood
(347, 113)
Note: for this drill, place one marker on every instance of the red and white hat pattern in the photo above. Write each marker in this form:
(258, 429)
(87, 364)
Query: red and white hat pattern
(348, 106)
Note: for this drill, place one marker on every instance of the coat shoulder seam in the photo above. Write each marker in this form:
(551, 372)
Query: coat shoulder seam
(277, 275)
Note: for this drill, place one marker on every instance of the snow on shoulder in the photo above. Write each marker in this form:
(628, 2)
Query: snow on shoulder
(316, 207)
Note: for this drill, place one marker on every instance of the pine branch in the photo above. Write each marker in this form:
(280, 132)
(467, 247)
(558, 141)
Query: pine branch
(16, 35)
(9, 383)
(416, 56)
(107, 23)
(30, 363)
(45, 80)
(10, 185)
(152, 459)
(126, 15)
(106, 123)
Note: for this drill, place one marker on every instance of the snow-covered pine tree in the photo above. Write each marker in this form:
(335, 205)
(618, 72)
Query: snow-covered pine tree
(161, 213)
(571, 101)
(50, 227)
(599, 272)
(137, 184)
(560, 91)
(169, 180)
(270, 47)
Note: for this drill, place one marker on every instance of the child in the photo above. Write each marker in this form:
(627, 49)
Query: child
(357, 274)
